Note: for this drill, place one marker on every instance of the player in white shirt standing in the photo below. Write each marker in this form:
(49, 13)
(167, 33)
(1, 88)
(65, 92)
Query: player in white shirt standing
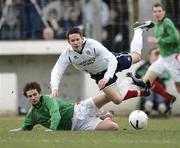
(91, 56)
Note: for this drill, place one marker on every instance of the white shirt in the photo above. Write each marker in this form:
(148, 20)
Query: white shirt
(93, 58)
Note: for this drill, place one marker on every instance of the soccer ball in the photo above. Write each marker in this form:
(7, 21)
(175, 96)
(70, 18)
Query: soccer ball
(138, 119)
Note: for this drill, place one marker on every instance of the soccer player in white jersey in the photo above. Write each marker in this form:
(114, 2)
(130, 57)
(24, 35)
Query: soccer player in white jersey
(92, 57)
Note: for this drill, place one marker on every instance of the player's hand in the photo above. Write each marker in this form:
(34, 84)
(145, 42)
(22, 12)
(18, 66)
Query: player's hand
(152, 39)
(54, 93)
(48, 130)
(102, 83)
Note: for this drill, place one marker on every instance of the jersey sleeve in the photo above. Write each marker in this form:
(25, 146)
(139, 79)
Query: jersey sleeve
(59, 69)
(54, 112)
(109, 57)
(28, 123)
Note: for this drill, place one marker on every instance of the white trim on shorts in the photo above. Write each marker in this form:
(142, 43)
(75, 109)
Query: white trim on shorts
(170, 64)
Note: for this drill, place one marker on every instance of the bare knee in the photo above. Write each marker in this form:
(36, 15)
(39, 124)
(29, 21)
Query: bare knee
(136, 57)
(112, 94)
(117, 100)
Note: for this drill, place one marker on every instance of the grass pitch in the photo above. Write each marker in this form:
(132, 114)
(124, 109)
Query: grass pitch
(160, 133)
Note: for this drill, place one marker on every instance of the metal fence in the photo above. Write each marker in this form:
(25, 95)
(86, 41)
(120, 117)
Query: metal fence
(105, 20)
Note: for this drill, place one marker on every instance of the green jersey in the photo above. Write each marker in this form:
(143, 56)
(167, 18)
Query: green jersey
(168, 37)
(52, 113)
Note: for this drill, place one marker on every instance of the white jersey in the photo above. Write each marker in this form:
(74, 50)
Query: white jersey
(93, 58)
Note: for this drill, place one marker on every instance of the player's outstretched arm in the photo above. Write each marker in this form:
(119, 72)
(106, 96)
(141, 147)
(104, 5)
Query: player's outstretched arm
(16, 129)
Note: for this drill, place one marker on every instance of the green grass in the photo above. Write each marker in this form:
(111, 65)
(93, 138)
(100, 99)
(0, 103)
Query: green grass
(160, 133)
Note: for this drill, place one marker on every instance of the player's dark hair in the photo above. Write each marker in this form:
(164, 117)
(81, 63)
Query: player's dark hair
(72, 31)
(31, 86)
(159, 5)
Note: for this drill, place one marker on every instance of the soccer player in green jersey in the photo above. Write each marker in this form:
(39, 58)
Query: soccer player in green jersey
(167, 37)
(56, 114)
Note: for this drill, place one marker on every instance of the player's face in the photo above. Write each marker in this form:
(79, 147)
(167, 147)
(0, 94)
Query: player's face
(33, 96)
(158, 13)
(76, 41)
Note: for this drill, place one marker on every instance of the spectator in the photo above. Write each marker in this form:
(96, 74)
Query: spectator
(55, 23)
(31, 25)
(109, 31)
(104, 12)
(116, 38)
(48, 33)
(73, 21)
(57, 14)
(9, 21)
(55, 6)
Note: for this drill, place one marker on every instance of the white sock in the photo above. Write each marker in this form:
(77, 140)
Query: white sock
(124, 86)
(137, 41)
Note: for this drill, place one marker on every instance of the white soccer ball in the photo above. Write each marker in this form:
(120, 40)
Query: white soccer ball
(138, 119)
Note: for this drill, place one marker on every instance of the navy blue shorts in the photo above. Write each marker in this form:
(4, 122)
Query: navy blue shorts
(124, 62)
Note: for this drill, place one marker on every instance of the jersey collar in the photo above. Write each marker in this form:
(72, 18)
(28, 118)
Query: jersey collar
(84, 42)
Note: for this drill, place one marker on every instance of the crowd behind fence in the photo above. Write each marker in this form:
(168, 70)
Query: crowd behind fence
(50, 19)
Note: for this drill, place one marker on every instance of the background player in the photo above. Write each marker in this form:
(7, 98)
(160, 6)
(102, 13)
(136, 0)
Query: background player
(167, 37)
(154, 101)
